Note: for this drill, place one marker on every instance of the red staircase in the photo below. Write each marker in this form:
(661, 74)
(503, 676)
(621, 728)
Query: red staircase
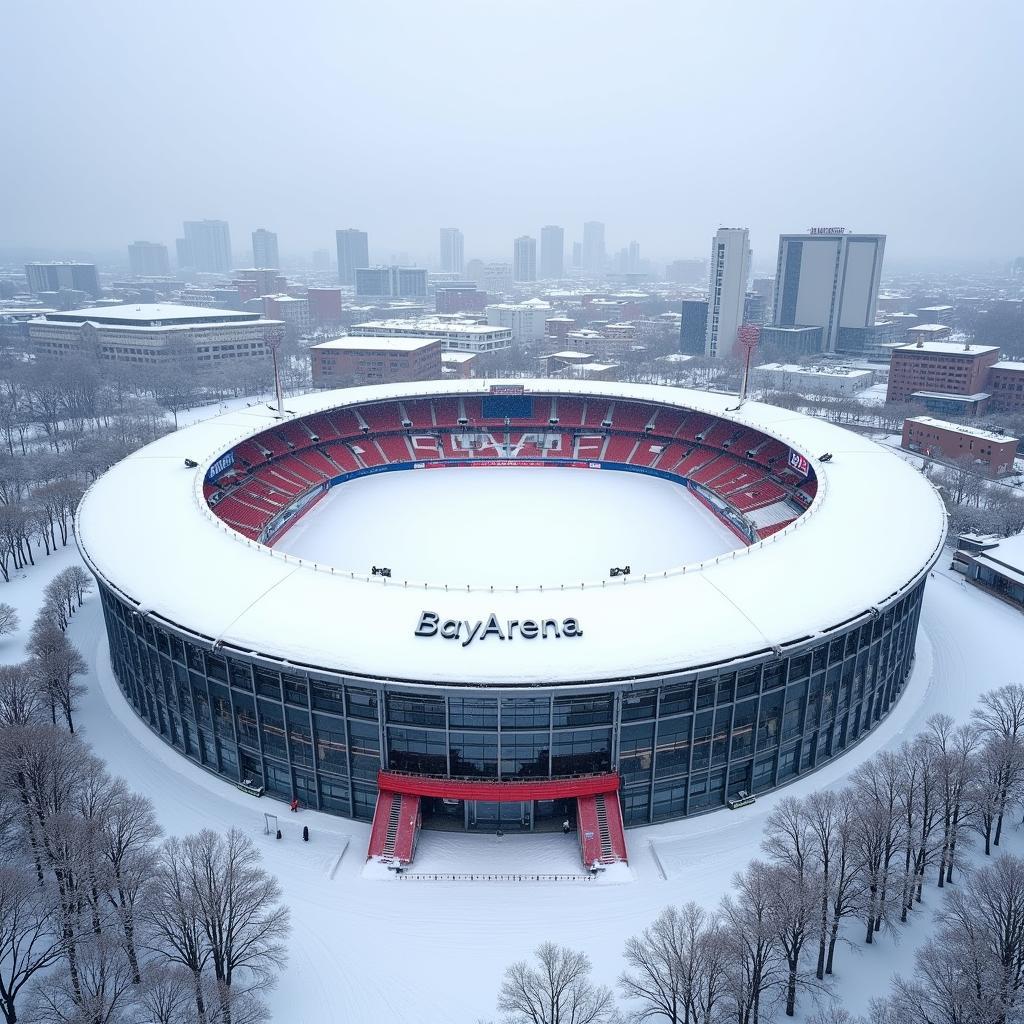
(599, 824)
(396, 826)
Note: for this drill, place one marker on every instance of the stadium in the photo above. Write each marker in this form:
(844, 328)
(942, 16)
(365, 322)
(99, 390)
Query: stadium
(642, 603)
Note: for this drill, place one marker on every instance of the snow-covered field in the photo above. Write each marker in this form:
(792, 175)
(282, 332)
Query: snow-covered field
(504, 526)
(432, 952)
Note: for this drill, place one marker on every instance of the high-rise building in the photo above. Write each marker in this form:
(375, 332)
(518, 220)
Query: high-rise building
(633, 259)
(524, 259)
(264, 248)
(53, 277)
(693, 326)
(148, 259)
(727, 290)
(391, 282)
(829, 279)
(593, 255)
(552, 252)
(207, 246)
(451, 251)
(353, 253)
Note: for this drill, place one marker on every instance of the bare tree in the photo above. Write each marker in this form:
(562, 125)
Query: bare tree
(755, 959)
(955, 749)
(30, 941)
(677, 968)
(878, 833)
(999, 715)
(21, 700)
(8, 619)
(558, 990)
(57, 663)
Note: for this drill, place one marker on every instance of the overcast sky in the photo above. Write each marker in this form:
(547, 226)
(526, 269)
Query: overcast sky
(664, 119)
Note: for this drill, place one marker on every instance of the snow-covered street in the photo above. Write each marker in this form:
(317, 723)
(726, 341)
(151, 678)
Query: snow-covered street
(367, 948)
(570, 524)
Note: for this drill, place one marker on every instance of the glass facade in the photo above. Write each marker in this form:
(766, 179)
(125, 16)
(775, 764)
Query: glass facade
(682, 744)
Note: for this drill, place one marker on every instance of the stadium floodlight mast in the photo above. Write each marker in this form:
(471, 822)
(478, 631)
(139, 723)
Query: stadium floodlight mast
(275, 344)
(747, 338)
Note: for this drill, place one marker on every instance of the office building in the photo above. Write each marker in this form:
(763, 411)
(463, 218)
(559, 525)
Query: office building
(791, 342)
(353, 254)
(811, 380)
(459, 299)
(324, 305)
(391, 282)
(1006, 385)
(524, 259)
(148, 259)
(456, 334)
(63, 276)
(727, 290)
(828, 278)
(154, 333)
(524, 319)
(940, 368)
(355, 360)
(693, 327)
(552, 252)
(952, 442)
(207, 246)
(292, 311)
(451, 251)
(593, 253)
(264, 248)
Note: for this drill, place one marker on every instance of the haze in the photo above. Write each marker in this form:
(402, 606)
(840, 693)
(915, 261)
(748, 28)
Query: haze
(664, 120)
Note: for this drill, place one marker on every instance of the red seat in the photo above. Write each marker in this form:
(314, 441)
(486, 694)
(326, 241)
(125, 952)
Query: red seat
(394, 448)
(628, 416)
(418, 413)
(382, 416)
(569, 412)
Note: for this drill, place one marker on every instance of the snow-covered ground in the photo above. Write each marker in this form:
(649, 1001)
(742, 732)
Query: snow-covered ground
(525, 525)
(433, 952)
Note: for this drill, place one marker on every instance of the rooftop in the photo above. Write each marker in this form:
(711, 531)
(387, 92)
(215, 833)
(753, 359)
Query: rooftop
(150, 313)
(985, 435)
(946, 348)
(144, 528)
(1008, 364)
(429, 323)
(930, 329)
(382, 343)
(817, 371)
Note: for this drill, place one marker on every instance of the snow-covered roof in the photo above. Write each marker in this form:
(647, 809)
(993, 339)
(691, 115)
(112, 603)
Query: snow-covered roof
(946, 348)
(165, 312)
(960, 428)
(385, 343)
(875, 527)
(1008, 364)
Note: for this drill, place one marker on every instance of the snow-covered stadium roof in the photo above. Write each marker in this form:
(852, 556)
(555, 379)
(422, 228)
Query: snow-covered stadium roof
(875, 527)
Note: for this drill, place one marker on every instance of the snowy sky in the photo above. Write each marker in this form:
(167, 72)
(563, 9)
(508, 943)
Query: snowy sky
(662, 119)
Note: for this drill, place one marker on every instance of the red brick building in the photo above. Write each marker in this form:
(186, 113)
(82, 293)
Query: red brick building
(324, 305)
(354, 360)
(942, 367)
(951, 442)
(1006, 385)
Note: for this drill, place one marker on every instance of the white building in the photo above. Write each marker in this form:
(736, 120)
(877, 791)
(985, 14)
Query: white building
(829, 279)
(832, 380)
(154, 333)
(727, 289)
(524, 258)
(456, 335)
(524, 319)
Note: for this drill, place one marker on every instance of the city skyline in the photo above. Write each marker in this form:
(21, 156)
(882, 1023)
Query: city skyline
(828, 170)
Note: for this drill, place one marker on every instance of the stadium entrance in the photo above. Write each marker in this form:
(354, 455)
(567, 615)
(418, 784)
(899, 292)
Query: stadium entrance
(448, 815)
(407, 802)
